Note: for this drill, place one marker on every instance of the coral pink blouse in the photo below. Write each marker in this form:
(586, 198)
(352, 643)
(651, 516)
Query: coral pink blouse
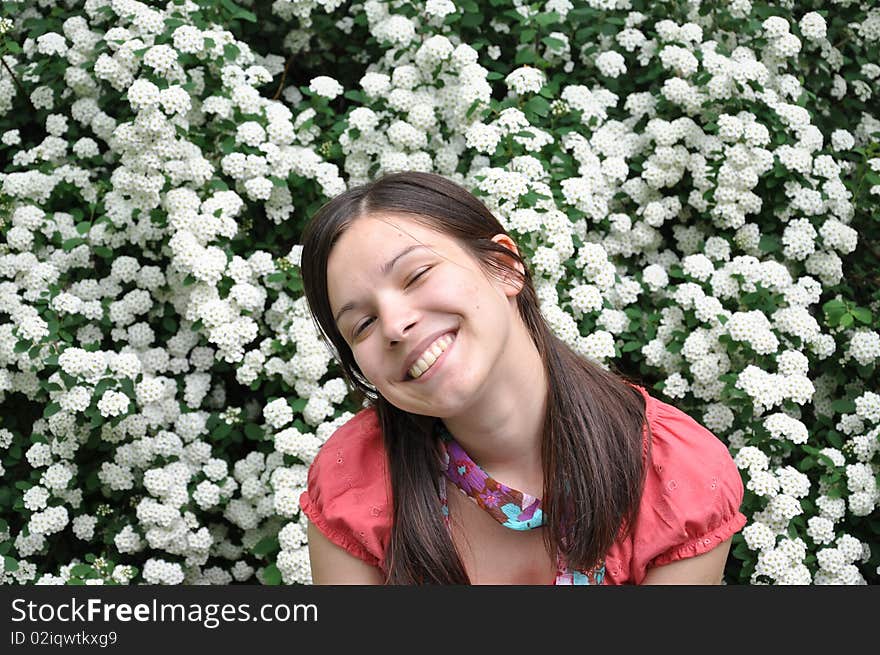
(690, 503)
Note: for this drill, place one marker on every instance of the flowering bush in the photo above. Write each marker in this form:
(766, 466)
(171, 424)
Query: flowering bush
(693, 184)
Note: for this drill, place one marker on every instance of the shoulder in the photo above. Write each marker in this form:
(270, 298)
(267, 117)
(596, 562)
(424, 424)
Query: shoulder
(348, 490)
(691, 499)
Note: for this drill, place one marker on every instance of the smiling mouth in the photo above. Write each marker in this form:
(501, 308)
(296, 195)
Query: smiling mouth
(428, 360)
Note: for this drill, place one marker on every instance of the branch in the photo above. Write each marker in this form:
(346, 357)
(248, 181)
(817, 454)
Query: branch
(283, 77)
(17, 83)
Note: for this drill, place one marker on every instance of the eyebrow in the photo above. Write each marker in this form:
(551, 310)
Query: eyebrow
(385, 270)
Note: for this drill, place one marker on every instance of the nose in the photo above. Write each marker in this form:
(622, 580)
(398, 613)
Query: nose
(397, 321)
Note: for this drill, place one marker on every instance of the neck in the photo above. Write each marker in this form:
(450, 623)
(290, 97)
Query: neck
(502, 430)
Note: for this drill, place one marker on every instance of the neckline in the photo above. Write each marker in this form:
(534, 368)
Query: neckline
(511, 507)
(521, 512)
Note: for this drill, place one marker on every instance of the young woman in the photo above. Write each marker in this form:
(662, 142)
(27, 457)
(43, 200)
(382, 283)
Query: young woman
(489, 452)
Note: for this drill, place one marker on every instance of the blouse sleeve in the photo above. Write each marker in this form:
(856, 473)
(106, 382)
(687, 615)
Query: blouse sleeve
(693, 492)
(347, 490)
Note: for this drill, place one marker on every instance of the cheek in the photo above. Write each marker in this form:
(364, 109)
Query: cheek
(363, 362)
(373, 366)
(471, 290)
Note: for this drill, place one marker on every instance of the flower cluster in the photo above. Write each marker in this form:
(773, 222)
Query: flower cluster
(688, 194)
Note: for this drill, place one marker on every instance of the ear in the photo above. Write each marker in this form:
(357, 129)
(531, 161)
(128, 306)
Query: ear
(512, 282)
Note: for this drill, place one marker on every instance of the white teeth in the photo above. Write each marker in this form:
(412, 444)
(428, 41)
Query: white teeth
(431, 354)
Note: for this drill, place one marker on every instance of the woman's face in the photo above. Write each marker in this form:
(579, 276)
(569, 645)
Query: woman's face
(396, 286)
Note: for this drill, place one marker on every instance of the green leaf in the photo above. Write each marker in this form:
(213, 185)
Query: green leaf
(221, 431)
(253, 432)
(835, 439)
(846, 320)
(525, 56)
(806, 464)
(10, 563)
(127, 386)
(548, 18)
(102, 386)
(295, 284)
(265, 546)
(271, 575)
(239, 12)
(843, 406)
(231, 51)
(768, 243)
(70, 244)
(553, 44)
(84, 227)
(50, 409)
(526, 35)
(862, 315)
(538, 105)
(81, 570)
(834, 308)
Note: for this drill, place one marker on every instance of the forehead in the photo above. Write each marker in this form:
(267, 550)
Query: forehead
(371, 241)
(386, 231)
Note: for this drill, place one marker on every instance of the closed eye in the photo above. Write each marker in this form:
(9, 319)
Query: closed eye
(409, 284)
(416, 277)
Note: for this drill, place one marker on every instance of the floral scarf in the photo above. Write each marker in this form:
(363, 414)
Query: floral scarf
(511, 508)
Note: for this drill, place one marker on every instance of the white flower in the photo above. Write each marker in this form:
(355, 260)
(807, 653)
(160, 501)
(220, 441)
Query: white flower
(864, 346)
(782, 426)
(439, 8)
(483, 138)
(611, 64)
(35, 498)
(375, 84)
(820, 529)
(84, 526)
(188, 39)
(158, 571)
(325, 86)
(525, 79)
(763, 483)
(868, 406)
(363, 118)
(278, 413)
(813, 26)
(142, 94)
(759, 536)
(51, 43)
(842, 140)
(49, 521)
(113, 403)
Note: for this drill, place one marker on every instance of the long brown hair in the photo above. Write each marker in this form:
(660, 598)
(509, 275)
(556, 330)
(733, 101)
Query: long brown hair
(592, 439)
